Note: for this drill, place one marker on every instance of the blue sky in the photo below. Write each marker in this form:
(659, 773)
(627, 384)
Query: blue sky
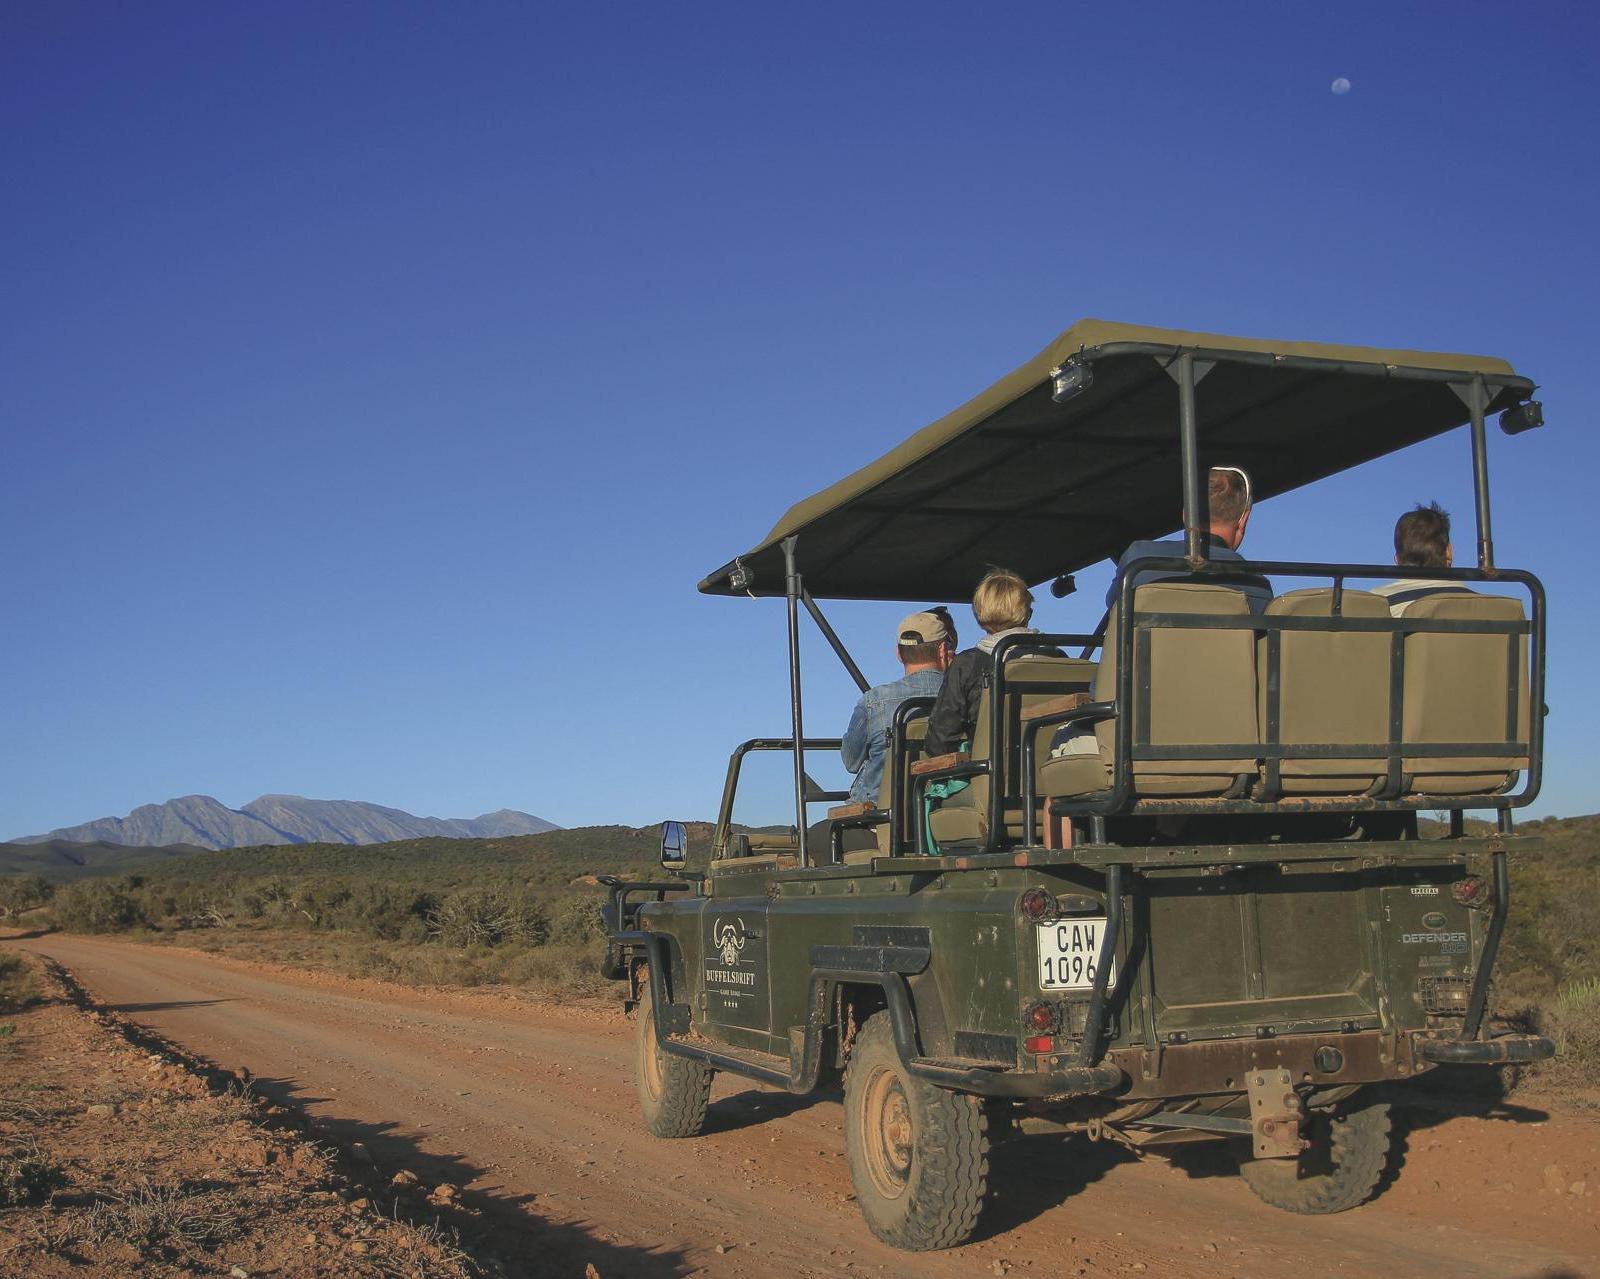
(377, 381)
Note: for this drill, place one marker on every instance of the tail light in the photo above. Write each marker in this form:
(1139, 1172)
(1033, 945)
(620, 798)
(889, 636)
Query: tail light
(1039, 1044)
(1445, 996)
(1040, 1017)
(1036, 904)
(1471, 891)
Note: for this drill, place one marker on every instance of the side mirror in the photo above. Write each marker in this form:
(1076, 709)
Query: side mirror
(674, 845)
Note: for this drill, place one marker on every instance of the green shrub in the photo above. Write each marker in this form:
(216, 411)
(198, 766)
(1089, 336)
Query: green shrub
(99, 906)
(577, 920)
(23, 892)
(1572, 1019)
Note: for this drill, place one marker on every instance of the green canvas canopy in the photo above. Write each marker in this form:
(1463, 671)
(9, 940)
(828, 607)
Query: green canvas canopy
(1015, 478)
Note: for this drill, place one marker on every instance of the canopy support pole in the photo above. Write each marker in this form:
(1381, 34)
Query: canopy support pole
(1196, 522)
(793, 590)
(1477, 401)
(834, 641)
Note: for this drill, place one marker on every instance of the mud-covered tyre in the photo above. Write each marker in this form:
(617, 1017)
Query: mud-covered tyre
(919, 1155)
(673, 1091)
(1348, 1155)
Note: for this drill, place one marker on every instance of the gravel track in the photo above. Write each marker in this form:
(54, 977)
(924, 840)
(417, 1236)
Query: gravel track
(531, 1109)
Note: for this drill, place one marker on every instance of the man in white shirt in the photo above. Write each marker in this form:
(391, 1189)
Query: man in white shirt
(1421, 540)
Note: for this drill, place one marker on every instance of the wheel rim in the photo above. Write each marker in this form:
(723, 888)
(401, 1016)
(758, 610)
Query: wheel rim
(887, 1129)
(652, 1053)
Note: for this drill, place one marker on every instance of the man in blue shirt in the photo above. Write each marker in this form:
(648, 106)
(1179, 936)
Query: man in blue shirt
(927, 642)
(1228, 496)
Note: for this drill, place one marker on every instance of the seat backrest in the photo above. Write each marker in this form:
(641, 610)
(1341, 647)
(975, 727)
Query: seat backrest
(916, 731)
(1199, 690)
(1466, 688)
(1030, 678)
(1333, 689)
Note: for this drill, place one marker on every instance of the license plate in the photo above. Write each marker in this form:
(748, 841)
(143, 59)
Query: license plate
(1069, 951)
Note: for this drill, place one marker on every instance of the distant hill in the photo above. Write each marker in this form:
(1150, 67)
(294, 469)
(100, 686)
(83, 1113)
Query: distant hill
(202, 822)
(67, 859)
(553, 858)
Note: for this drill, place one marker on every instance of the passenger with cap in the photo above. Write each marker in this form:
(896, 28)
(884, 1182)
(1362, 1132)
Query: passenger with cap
(1229, 504)
(927, 644)
(1003, 605)
(1421, 540)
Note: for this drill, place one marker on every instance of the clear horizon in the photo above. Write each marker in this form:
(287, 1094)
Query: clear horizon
(376, 385)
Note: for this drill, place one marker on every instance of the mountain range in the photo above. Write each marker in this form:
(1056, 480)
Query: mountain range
(203, 822)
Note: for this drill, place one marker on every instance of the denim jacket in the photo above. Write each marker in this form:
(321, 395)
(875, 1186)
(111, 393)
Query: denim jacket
(867, 738)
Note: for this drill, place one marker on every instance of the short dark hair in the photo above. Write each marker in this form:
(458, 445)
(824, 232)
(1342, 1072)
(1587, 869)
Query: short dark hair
(1227, 495)
(1422, 536)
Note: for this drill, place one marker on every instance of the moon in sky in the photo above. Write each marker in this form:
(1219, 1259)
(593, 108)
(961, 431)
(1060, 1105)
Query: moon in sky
(1341, 86)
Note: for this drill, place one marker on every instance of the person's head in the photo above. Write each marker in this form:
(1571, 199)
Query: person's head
(927, 640)
(1002, 601)
(1228, 497)
(1422, 538)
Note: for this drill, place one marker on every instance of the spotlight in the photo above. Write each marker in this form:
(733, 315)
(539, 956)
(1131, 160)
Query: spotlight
(1525, 417)
(1068, 379)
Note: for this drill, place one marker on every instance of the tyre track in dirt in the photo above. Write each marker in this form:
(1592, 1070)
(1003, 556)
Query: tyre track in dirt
(531, 1110)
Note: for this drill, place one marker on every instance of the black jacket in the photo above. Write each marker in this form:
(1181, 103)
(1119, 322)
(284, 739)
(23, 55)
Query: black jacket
(955, 712)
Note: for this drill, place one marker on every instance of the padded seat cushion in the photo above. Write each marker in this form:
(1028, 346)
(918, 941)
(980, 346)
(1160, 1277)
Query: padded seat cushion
(1332, 688)
(1202, 691)
(951, 822)
(1457, 691)
(1043, 676)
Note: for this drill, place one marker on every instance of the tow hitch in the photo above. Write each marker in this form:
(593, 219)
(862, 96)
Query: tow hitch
(1275, 1114)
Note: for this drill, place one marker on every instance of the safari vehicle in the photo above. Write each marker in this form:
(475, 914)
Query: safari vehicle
(1224, 920)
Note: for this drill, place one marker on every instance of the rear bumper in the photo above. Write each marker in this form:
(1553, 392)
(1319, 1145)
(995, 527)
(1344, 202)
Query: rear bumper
(1481, 1052)
(1077, 1081)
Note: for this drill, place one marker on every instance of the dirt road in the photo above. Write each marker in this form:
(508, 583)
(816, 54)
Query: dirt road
(532, 1109)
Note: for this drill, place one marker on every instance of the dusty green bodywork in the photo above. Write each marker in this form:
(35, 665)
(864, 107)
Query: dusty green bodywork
(1260, 955)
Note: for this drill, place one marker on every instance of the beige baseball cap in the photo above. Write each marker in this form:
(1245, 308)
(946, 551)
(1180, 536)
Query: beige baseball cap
(925, 628)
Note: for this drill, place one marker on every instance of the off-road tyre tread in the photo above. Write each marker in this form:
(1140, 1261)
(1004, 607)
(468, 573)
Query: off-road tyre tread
(1362, 1145)
(950, 1161)
(680, 1109)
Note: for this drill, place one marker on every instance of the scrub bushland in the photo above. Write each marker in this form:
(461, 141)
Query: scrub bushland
(521, 911)
(524, 911)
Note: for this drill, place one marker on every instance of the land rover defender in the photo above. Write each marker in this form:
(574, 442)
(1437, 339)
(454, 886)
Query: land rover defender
(1222, 917)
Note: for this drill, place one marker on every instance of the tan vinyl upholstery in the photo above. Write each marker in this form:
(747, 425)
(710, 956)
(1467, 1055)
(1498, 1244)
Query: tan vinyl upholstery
(1332, 689)
(965, 815)
(1202, 692)
(862, 844)
(1456, 691)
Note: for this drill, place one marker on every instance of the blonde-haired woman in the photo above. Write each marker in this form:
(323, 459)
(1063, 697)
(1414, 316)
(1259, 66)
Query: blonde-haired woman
(1003, 605)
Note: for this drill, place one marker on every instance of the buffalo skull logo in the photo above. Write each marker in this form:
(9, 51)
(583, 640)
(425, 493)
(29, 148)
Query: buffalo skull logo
(729, 938)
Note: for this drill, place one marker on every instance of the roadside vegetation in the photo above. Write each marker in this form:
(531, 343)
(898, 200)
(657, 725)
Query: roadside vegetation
(521, 911)
(525, 912)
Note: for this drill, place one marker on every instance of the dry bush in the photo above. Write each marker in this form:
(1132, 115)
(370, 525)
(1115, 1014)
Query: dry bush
(27, 1174)
(151, 1217)
(558, 971)
(16, 982)
(217, 1110)
(488, 917)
